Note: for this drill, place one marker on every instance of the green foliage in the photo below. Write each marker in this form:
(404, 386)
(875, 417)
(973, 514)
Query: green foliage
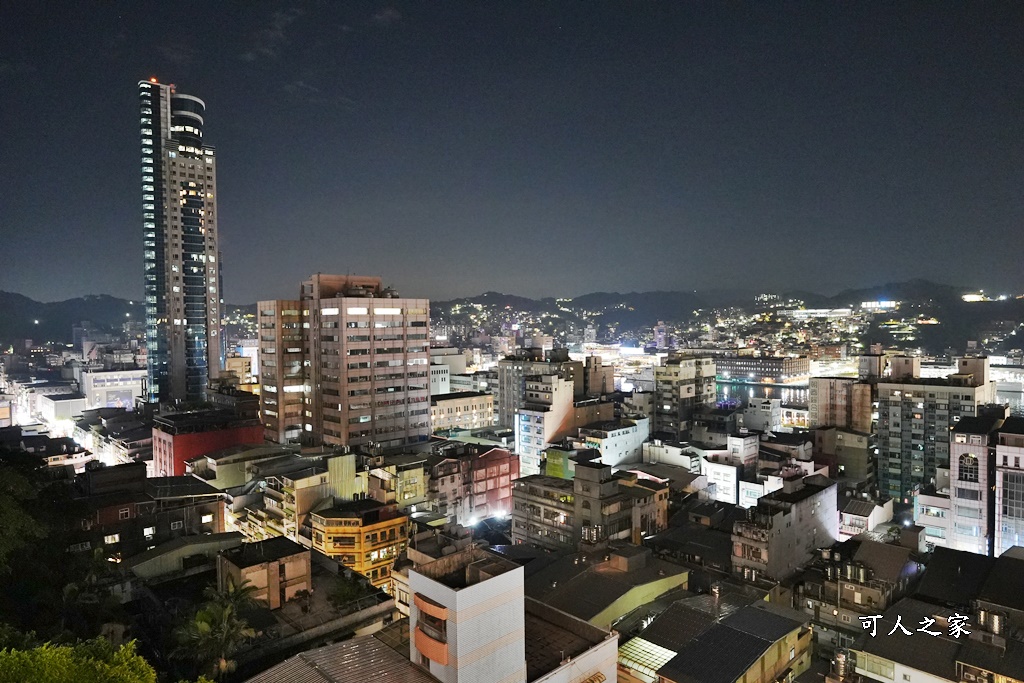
(13, 639)
(35, 566)
(217, 631)
(93, 661)
(237, 596)
(18, 529)
(345, 591)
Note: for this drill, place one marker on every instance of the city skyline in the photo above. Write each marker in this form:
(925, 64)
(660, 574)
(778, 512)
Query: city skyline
(558, 139)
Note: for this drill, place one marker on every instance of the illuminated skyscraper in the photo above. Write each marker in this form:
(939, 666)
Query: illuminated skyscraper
(182, 263)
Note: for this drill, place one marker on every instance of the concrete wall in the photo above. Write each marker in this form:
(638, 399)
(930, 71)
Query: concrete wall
(485, 628)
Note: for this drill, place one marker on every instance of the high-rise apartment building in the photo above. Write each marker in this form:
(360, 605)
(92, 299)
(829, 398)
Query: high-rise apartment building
(682, 384)
(915, 417)
(843, 402)
(513, 371)
(346, 364)
(182, 263)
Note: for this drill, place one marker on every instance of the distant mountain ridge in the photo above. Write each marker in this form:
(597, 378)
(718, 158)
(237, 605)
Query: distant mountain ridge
(19, 313)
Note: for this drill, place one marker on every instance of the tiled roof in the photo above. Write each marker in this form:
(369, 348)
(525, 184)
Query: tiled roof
(887, 561)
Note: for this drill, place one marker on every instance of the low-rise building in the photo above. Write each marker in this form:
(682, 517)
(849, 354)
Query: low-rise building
(180, 437)
(364, 535)
(859, 515)
(277, 568)
(470, 621)
(758, 642)
(471, 482)
(849, 580)
(618, 441)
(127, 513)
(595, 506)
(786, 529)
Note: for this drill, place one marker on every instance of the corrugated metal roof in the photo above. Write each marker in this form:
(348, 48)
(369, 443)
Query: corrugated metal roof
(353, 661)
(719, 655)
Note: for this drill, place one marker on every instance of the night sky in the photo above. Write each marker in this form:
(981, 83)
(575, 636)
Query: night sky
(541, 149)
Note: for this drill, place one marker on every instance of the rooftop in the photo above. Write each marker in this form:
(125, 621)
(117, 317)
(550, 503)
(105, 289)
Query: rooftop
(553, 636)
(1013, 425)
(585, 585)
(456, 395)
(178, 487)
(65, 397)
(270, 550)
(361, 659)
(711, 651)
(200, 421)
(184, 542)
(349, 508)
(976, 425)
(608, 425)
(954, 577)
(466, 568)
(887, 561)
(1003, 585)
(856, 506)
(544, 480)
(246, 452)
(812, 485)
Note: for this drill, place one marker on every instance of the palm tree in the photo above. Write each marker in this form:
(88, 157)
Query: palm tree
(212, 637)
(238, 596)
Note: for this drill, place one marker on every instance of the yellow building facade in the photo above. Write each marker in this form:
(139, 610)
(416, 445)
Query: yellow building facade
(364, 535)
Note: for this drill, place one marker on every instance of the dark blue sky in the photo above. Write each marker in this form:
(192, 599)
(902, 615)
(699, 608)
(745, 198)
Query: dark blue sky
(542, 149)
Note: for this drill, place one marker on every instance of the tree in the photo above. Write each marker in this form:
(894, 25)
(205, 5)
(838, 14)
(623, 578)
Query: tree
(212, 637)
(18, 529)
(346, 591)
(92, 661)
(239, 597)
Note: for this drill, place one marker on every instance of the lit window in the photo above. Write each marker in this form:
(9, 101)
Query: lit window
(206, 519)
(112, 539)
(149, 532)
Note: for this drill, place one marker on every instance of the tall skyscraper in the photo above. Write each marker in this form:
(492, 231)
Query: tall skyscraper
(182, 263)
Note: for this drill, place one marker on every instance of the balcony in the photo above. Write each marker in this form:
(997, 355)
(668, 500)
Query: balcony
(429, 647)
